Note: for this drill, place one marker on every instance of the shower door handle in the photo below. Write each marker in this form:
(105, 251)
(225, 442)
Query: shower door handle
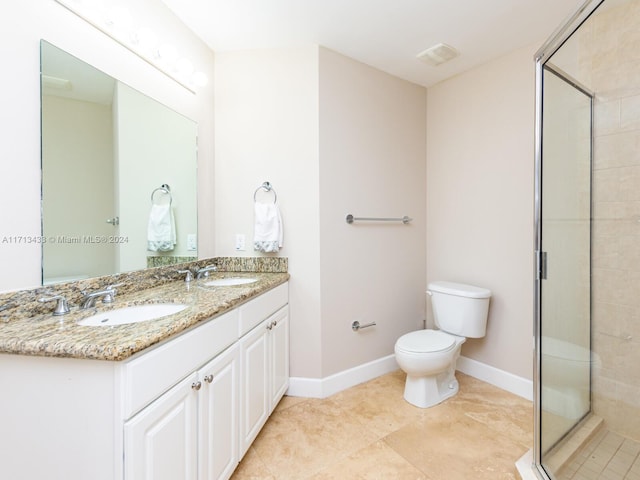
(541, 264)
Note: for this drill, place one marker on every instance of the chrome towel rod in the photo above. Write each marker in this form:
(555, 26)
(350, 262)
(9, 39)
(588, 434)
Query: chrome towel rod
(267, 187)
(350, 219)
(355, 326)
(165, 189)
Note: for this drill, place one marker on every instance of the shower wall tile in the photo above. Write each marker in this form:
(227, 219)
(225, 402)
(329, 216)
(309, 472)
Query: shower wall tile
(617, 150)
(614, 72)
(617, 252)
(606, 117)
(604, 48)
(630, 113)
(606, 185)
(630, 183)
(616, 218)
(610, 286)
(605, 255)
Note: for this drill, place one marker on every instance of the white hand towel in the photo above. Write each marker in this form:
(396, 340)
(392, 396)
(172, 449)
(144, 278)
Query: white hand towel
(161, 231)
(268, 231)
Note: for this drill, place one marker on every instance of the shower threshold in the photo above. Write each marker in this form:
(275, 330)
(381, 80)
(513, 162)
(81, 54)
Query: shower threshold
(605, 455)
(570, 448)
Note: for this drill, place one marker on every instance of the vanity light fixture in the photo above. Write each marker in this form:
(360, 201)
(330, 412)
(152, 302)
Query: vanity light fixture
(118, 23)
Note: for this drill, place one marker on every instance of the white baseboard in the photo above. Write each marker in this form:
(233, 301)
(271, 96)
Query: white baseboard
(501, 379)
(325, 387)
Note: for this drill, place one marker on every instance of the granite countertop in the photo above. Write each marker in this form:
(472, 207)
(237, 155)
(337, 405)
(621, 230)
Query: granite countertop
(46, 335)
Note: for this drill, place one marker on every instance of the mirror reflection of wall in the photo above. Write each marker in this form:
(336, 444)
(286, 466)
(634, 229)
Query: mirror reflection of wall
(105, 148)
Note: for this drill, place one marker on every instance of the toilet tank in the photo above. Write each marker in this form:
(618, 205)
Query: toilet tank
(460, 309)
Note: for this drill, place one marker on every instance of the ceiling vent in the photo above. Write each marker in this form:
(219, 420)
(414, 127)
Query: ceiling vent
(438, 54)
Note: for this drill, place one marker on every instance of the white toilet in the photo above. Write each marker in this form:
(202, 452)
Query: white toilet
(428, 357)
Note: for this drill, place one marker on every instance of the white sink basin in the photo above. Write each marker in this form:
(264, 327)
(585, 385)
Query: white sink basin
(134, 314)
(230, 281)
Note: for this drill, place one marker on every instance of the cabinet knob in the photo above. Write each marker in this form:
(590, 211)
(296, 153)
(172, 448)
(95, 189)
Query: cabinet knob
(208, 378)
(196, 385)
(270, 326)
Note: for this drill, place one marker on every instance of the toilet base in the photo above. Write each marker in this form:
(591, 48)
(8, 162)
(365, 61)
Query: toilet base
(427, 391)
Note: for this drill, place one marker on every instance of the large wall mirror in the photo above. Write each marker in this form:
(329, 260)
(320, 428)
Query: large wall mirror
(118, 175)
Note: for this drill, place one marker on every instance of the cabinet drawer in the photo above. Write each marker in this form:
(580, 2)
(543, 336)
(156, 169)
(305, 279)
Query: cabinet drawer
(148, 376)
(255, 311)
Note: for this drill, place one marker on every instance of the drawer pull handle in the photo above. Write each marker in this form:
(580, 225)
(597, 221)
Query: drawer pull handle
(196, 385)
(208, 378)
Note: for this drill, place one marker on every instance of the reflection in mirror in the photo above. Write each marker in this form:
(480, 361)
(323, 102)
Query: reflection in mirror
(105, 149)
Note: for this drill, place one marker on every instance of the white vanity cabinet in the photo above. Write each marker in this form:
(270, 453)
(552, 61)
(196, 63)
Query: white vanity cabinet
(173, 412)
(160, 442)
(196, 430)
(265, 373)
(218, 404)
(279, 344)
(191, 431)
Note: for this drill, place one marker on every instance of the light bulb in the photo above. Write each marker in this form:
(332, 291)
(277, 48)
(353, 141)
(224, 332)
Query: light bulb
(146, 39)
(184, 66)
(119, 18)
(167, 52)
(199, 79)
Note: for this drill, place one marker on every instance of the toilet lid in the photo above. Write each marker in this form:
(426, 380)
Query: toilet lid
(425, 341)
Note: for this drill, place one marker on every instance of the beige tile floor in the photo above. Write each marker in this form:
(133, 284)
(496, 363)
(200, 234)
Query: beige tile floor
(370, 432)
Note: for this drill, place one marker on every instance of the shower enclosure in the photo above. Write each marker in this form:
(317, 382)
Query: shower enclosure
(587, 399)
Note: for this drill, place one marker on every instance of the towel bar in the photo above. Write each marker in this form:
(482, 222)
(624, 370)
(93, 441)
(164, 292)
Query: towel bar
(350, 219)
(164, 188)
(266, 186)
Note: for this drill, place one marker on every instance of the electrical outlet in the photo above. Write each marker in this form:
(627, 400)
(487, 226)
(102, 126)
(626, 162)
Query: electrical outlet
(192, 242)
(240, 241)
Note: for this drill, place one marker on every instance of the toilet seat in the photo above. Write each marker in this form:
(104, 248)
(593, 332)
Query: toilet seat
(425, 341)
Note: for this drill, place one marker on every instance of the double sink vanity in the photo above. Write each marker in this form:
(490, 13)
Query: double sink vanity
(173, 380)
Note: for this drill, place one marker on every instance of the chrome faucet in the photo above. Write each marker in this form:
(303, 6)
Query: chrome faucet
(62, 307)
(204, 271)
(189, 275)
(108, 294)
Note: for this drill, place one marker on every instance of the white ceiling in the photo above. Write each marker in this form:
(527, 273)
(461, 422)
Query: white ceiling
(386, 34)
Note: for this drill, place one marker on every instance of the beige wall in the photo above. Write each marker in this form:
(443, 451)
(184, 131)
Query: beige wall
(22, 28)
(331, 135)
(372, 164)
(480, 199)
(267, 130)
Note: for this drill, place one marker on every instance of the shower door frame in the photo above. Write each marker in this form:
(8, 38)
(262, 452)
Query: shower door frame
(556, 41)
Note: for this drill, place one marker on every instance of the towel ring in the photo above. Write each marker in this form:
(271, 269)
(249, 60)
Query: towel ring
(266, 186)
(164, 188)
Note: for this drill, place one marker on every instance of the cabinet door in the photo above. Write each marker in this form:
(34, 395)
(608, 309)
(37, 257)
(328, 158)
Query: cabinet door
(254, 389)
(279, 353)
(160, 442)
(219, 415)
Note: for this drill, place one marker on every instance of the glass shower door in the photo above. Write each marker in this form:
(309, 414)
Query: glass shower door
(565, 287)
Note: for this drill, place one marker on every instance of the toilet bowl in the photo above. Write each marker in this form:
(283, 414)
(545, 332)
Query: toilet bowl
(429, 357)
